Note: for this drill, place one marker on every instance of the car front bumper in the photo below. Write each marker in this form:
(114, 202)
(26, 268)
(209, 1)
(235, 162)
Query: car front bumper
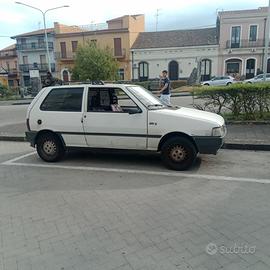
(31, 137)
(208, 144)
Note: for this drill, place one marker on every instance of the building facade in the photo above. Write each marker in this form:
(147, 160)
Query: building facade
(31, 53)
(241, 42)
(119, 35)
(178, 51)
(9, 66)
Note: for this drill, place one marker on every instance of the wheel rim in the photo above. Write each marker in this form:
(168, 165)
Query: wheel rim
(49, 148)
(178, 153)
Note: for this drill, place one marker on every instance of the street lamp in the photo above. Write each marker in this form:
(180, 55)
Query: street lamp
(45, 29)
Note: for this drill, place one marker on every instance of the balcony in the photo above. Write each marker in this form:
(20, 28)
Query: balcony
(65, 56)
(119, 54)
(40, 67)
(12, 72)
(33, 46)
(7, 54)
(245, 43)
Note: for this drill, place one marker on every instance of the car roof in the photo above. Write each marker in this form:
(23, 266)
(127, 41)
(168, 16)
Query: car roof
(91, 85)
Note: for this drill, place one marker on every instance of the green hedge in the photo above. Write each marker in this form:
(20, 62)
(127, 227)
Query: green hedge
(250, 101)
(5, 92)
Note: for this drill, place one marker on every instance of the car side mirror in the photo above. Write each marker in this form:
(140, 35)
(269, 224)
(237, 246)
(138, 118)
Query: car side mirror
(135, 111)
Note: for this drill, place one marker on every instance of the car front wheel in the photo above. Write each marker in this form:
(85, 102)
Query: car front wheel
(178, 153)
(49, 147)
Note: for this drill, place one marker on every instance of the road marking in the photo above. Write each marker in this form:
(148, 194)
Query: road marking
(12, 162)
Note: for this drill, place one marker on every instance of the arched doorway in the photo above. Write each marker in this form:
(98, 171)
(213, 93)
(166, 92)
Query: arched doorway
(233, 67)
(173, 70)
(143, 71)
(206, 67)
(250, 68)
(65, 75)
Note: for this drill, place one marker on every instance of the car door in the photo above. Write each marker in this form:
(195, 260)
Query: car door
(61, 111)
(215, 81)
(113, 120)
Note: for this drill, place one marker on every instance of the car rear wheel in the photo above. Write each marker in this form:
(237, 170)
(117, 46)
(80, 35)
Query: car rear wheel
(206, 84)
(178, 153)
(229, 83)
(49, 147)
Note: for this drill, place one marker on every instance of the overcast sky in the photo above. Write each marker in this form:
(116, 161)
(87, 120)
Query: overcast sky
(173, 14)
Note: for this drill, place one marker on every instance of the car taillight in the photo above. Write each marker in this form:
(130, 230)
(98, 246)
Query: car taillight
(27, 124)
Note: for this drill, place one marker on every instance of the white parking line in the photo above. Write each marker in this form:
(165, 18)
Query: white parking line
(12, 162)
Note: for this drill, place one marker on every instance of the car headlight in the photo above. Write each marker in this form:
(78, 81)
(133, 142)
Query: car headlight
(219, 131)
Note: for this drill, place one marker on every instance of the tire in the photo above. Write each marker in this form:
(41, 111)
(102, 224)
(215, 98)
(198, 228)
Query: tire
(206, 84)
(229, 83)
(49, 147)
(178, 153)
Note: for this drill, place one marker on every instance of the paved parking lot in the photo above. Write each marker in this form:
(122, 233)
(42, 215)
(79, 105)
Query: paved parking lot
(101, 210)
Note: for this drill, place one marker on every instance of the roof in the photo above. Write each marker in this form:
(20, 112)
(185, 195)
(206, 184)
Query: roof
(176, 38)
(11, 47)
(34, 33)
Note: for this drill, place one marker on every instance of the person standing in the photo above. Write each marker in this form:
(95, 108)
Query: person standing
(165, 88)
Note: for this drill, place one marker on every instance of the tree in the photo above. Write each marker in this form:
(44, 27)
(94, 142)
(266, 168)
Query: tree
(93, 63)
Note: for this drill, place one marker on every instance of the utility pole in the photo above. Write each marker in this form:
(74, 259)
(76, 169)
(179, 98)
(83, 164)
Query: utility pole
(157, 15)
(266, 44)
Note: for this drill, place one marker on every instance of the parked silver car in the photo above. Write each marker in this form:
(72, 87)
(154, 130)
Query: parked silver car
(220, 80)
(258, 79)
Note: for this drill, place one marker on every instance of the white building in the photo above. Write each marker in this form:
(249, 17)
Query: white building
(178, 51)
(31, 51)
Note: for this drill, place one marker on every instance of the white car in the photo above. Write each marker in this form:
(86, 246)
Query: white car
(219, 81)
(119, 117)
(258, 79)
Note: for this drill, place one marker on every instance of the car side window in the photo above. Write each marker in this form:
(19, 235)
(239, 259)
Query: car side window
(109, 100)
(64, 100)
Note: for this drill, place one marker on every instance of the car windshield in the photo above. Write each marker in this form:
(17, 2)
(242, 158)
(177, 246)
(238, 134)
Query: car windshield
(146, 97)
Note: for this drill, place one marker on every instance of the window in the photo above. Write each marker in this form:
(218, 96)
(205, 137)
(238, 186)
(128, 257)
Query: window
(33, 45)
(93, 41)
(43, 59)
(143, 71)
(117, 47)
(253, 33)
(121, 74)
(205, 70)
(235, 38)
(25, 60)
(109, 100)
(74, 45)
(63, 99)
(233, 68)
(63, 49)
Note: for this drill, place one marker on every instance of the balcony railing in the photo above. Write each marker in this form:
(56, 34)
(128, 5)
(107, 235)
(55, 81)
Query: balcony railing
(65, 55)
(12, 71)
(33, 46)
(40, 67)
(244, 43)
(119, 54)
(69, 55)
(8, 54)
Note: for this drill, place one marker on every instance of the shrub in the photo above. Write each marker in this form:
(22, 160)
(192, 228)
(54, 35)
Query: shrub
(179, 83)
(247, 100)
(4, 91)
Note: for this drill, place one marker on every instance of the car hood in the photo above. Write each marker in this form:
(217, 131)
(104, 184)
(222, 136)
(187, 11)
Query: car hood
(195, 114)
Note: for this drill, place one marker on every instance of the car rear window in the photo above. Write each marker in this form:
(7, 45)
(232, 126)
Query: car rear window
(64, 100)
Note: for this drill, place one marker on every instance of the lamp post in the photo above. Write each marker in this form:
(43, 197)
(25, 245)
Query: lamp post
(266, 45)
(45, 28)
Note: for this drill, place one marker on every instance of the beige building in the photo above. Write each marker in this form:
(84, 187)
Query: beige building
(241, 41)
(9, 74)
(119, 35)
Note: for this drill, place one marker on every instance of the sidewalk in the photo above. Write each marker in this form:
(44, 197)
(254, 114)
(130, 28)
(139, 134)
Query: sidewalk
(239, 136)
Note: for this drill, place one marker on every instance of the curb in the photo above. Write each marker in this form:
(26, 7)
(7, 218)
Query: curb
(229, 146)
(12, 138)
(246, 146)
